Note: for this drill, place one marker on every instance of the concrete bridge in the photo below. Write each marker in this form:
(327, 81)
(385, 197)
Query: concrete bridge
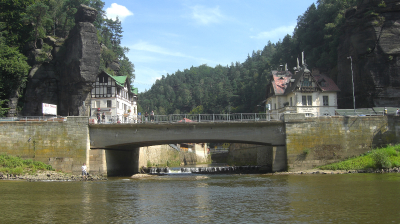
(122, 141)
(294, 143)
(129, 136)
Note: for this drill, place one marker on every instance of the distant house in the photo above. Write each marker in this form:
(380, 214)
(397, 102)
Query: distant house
(115, 97)
(307, 92)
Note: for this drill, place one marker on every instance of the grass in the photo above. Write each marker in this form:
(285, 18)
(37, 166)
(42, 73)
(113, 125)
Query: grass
(387, 157)
(17, 166)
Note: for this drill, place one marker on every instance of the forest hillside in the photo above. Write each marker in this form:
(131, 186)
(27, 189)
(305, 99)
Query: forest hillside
(33, 32)
(241, 87)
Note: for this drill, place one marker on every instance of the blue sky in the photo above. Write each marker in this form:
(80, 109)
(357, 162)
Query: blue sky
(166, 35)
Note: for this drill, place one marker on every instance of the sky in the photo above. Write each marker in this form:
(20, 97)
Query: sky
(165, 36)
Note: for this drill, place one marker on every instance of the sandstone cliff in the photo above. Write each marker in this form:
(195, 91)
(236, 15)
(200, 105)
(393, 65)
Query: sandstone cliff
(65, 77)
(371, 37)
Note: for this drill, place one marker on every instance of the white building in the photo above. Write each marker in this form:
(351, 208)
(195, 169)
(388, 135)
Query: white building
(313, 94)
(114, 96)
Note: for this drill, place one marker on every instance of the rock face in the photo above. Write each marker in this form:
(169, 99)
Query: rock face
(66, 78)
(80, 68)
(371, 37)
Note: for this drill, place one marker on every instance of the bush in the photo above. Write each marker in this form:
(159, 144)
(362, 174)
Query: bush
(387, 157)
(381, 158)
(16, 165)
(17, 171)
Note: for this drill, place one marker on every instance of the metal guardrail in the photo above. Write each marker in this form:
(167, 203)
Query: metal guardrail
(34, 119)
(189, 118)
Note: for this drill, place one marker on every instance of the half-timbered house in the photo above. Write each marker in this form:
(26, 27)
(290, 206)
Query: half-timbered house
(311, 93)
(115, 97)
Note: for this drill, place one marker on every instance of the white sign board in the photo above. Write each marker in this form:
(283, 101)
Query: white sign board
(49, 109)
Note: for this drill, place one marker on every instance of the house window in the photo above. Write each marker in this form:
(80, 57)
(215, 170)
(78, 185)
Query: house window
(109, 103)
(291, 101)
(103, 79)
(108, 90)
(304, 100)
(309, 100)
(97, 104)
(325, 100)
(306, 82)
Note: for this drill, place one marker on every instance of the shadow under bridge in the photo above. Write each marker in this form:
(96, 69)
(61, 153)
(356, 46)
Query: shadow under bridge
(131, 136)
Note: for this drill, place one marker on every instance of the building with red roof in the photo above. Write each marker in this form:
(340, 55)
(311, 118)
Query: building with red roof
(311, 93)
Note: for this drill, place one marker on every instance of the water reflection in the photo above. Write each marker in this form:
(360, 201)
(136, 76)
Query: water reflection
(360, 198)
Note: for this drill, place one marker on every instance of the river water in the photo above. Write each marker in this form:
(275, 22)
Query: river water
(187, 198)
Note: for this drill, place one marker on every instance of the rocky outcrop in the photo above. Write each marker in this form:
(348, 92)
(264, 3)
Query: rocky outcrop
(371, 37)
(64, 77)
(81, 65)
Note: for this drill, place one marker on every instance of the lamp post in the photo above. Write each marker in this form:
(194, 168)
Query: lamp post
(352, 80)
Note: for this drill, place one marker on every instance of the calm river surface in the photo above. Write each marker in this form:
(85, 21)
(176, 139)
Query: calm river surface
(345, 198)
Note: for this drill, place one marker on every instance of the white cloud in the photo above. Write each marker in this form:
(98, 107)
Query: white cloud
(205, 15)
(275, 33)
(118, 10)
(147, 47)
(144, 46)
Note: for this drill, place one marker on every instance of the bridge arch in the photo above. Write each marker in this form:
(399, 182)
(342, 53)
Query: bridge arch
(122, 141)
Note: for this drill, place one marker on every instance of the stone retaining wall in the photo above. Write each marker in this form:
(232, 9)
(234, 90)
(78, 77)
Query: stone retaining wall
(63, 145)
(318, 141)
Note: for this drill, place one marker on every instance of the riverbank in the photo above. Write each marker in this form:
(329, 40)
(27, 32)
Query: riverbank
(50, 176)
(319, 171)
(16, 168)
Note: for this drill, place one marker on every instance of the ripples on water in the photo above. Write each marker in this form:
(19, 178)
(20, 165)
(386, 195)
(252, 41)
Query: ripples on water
(357, 198)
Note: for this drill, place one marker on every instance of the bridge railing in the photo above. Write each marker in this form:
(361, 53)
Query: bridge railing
(188, 118)
(34, 119)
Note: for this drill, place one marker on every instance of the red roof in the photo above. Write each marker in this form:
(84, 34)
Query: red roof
(326, 83)
(280, 80)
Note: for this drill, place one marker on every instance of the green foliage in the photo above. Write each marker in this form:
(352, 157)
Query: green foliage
(36, 14)
(381, 159)
(197, 110)
(382, 4)
(203, 89)
(149, 163)
(306, 152)
(13, 73)
(13, 28)
(29, 20)
(45, 54)
(387, 157)
(16, 165)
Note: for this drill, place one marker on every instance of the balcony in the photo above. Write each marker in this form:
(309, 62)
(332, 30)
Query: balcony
(308, 89)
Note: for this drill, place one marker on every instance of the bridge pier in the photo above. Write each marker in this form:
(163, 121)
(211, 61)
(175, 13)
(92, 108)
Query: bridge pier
(279, 158)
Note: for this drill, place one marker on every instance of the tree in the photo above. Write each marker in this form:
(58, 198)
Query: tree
(11, 14)
(13, 73)
(36, 14)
